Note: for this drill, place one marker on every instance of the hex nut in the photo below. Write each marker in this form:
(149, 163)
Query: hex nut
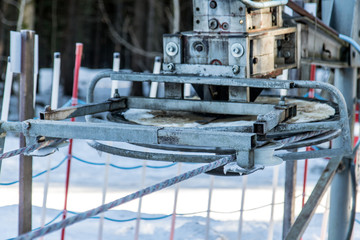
(171, 67)
(236, 69)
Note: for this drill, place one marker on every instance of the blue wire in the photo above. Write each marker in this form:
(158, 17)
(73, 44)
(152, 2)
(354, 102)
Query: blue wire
(316, 96)
(81, 102)
(129, 219)
(37, 175)
(123, 168)
(90, 163)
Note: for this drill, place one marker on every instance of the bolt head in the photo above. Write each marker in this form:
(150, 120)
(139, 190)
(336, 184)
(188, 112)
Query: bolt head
(236, 50)
(213, 4)
(236, 69)
(213, 24)
(171, 67)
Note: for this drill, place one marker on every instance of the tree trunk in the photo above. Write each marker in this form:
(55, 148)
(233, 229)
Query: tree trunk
(26, 19)
(138, 62)
(69, 51)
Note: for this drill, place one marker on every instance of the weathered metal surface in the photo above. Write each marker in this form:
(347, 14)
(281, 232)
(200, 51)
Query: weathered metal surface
(238, 141)
(205, 70)
(267, 121)
(239, 94)
(217, 107)
(146, 155)
(26, 111)
(174, 90)
(312, 126)
(340, 194)
(94, 131)
(71, 112)
(289, 202)
(193, 79)
(311, 154)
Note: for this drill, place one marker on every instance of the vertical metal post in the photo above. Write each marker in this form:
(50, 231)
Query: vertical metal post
(26, 111)
(290, 189)
(2, 144)
(340, 196)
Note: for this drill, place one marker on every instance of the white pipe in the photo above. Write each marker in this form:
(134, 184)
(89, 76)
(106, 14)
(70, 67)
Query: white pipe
(116, 68)
(325, 221)
(275, 184)
(209, 208)
(138, 217)
(104, 191)
(350, 41)
(173, 217)
(7, 92)
(187, 90)
(244, 183)
(156, 70)
(36, 66)
(54, 105)
(46, 190)
(274, 3)
(55, 81)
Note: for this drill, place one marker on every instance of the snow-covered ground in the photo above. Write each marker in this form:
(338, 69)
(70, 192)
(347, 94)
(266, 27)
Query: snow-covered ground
(86, 184)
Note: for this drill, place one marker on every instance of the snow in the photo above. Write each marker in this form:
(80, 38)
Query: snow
(86, 186)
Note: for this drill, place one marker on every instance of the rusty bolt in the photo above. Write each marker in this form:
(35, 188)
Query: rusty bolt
(225, 26)
(213, 4)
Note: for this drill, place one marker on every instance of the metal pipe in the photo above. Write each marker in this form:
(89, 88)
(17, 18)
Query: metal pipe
(26, 111)
(340, 195)
(174, 157)
(313, 141)
(343, 121)
(268, 4)
(350, 41)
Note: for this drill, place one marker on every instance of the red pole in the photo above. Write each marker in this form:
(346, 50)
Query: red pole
(78, 54)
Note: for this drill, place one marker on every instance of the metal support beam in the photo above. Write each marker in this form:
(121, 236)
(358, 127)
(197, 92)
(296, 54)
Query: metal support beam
(340, 195)
(26, 111)
(304, 218)
(217, 107)
(221, 81)
(71, 112)
(2, 145)
(133, 133)
(290, 189)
